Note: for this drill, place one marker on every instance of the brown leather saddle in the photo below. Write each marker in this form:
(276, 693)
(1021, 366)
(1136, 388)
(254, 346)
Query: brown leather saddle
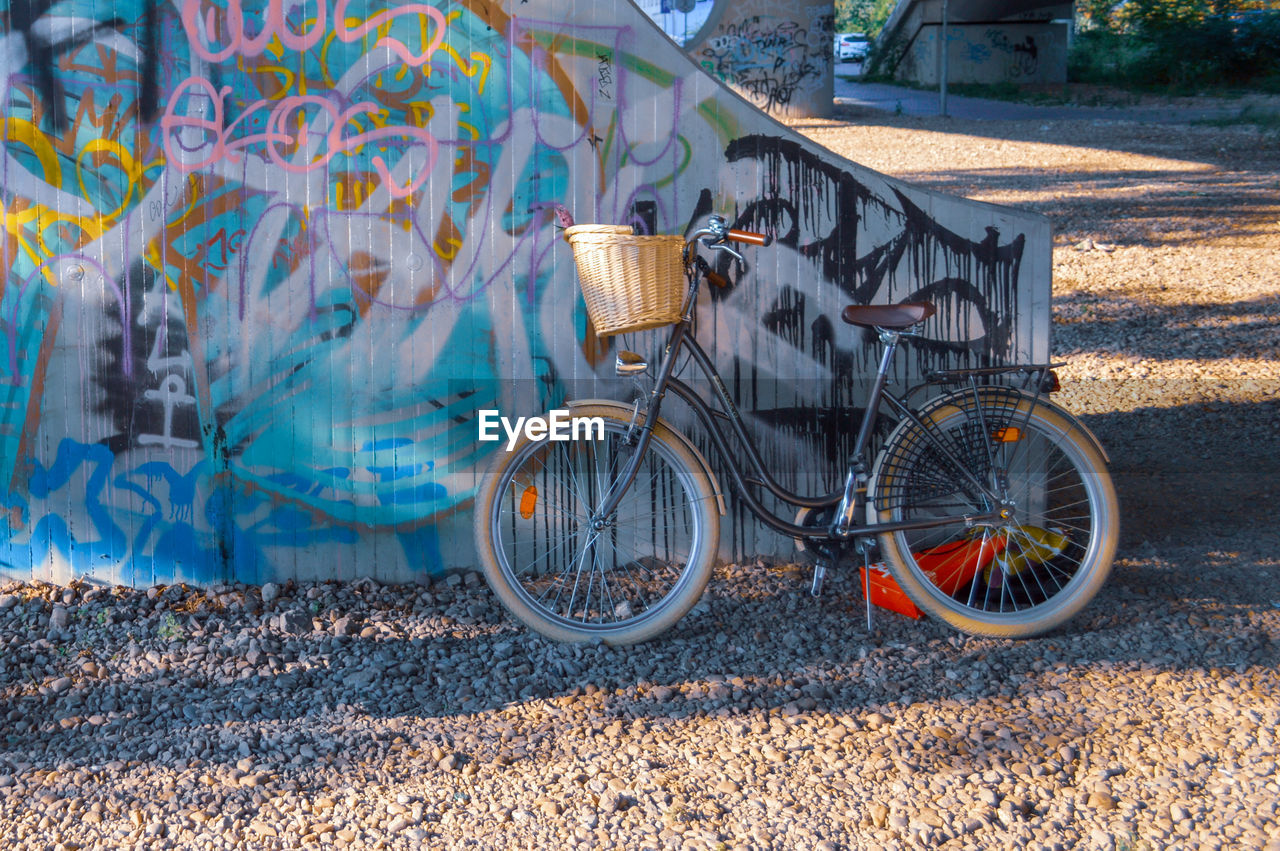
(893, 316)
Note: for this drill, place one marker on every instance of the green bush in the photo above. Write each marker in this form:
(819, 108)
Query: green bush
(1161, 45)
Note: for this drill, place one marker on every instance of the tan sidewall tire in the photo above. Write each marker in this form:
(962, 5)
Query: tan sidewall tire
(692, 580)
(1065, 605)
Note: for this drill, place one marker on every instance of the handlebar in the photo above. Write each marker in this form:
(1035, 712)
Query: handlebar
(714, 235)
(763, 240)
(719, 232)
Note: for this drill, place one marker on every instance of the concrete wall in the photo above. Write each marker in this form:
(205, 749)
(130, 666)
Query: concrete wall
(989, 41)
(775, 53)
(262, 265)
(989, 53)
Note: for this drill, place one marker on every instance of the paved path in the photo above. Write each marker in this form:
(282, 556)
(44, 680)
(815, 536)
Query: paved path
(899, 99)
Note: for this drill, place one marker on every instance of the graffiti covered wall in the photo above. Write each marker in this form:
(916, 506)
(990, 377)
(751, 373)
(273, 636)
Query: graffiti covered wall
(994, 52)
(263, 260)
(778, 55)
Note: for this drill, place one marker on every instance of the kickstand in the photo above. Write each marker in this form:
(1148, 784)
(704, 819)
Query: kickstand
(819, 574)
(866, 581)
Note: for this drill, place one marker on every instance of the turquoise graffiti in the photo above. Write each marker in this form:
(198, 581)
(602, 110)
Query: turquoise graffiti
(262, 261)
(260, 347)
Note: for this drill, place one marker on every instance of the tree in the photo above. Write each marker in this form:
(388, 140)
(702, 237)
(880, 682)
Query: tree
(866, 16)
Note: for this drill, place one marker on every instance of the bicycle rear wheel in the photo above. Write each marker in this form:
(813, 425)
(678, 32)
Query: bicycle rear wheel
(1024, 575)
(623, 583)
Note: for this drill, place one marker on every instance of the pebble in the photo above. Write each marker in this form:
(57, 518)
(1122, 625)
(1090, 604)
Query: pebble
(876, 720)
(295, 622)
(1102, 801)
(270, 592)
(346, 625)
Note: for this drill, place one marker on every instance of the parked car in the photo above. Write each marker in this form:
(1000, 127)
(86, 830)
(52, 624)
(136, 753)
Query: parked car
(852, 47)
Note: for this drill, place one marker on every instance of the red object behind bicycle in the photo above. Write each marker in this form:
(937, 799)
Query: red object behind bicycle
(950, 566)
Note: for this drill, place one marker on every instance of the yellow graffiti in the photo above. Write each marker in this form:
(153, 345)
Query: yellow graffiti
(480, 64)
(453, 246)
(15, 224)
(361, 190)
(285, 85)
(23, 131)
(324, 58)
(351, 22)
(127, 164)
(157, 262)
(38, 219)
(90, 228)
(422, 112)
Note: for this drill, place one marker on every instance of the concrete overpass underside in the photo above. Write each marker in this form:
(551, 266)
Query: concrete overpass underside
(987, 41)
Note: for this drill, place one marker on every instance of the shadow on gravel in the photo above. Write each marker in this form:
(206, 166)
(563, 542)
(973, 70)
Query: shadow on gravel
(770, 648)
(765, 670)
(1162, 331)
(1202, 475)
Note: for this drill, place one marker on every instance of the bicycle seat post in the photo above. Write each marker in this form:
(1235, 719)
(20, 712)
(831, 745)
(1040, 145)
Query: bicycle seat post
(845, 518)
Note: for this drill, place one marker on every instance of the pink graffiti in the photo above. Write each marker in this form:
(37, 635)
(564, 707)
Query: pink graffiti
(225, 148)
(238, 41)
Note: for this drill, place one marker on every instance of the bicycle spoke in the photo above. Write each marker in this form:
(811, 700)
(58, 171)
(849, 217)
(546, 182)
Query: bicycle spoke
(1040, 551)
(551, 503)
(633, 569)
(572, 486)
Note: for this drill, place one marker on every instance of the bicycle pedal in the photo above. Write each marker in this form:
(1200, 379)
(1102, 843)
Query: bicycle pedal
(819, 574)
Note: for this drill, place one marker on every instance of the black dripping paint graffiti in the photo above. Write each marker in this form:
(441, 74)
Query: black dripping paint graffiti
(827, 216)
(42, 56)
(973, 283)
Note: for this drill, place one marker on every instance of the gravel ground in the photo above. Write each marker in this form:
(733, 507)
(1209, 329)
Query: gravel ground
(364, 716)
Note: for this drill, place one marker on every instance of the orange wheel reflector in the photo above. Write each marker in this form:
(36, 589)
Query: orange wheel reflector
(528, 500)
(1008, 434)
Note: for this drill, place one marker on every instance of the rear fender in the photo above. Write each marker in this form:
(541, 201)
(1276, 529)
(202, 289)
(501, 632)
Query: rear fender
(931, 407)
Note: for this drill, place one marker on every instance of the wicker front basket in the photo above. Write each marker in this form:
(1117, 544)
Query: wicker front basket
(629, 282)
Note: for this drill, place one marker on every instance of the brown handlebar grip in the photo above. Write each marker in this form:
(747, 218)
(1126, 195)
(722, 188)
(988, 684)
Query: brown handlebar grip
(760, 239)
(717, 279)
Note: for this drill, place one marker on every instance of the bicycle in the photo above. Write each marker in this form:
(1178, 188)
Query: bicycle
(991, 505)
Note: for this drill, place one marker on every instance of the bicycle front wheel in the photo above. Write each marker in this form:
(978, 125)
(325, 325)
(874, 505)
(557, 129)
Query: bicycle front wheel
(573, 576)
(1024, 575)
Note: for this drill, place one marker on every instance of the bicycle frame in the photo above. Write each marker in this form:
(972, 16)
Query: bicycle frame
(846, 500)
(993, 506)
